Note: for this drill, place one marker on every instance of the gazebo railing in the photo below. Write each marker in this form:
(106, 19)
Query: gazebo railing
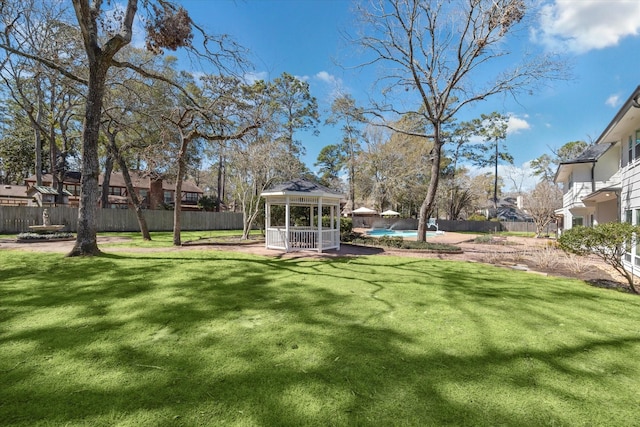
(301, 238)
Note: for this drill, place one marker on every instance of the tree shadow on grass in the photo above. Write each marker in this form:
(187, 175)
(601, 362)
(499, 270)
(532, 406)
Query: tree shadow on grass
(187, 340)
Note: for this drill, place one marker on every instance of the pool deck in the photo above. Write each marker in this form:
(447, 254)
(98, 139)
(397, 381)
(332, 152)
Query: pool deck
(451, 238)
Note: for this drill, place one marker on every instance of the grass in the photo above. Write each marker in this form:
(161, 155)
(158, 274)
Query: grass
(163, 239)
(159, 238)
(221, 338)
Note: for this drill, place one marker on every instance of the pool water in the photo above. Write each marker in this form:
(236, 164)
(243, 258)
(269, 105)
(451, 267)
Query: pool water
(380, 232)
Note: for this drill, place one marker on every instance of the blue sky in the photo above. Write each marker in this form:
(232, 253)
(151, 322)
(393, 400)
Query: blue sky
(600, 37)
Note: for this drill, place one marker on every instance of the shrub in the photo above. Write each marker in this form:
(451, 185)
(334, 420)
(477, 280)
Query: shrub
(546, 258)
(477, 217)
(608, 241)
(50, 236)
(492, 257)
(577, 264)
(484, 238)
(400, 243)
(207, 203)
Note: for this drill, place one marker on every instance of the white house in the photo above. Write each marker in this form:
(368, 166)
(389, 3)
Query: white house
(591, 187)
(624, 130)
(605, 185)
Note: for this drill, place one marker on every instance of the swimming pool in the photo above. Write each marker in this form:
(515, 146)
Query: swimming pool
(380, 232)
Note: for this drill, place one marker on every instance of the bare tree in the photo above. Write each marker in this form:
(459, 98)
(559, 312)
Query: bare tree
(103, 35)
(49, 100)
(260, 158)
(433, 54)
(542, 203)
(516, 175)
(392, 168)
(214, 112)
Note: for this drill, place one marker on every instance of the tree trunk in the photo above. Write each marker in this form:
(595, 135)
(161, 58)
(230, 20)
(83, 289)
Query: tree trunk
(495, 182)
(53, 162)
(108, 168)
(133, 196)
(427, 205)
(177, 206)
(114, 152)
(220, 190)
(86, 238)
(37, 135)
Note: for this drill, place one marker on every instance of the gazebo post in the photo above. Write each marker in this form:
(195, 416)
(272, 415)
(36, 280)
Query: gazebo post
(286, 225)
(319, 244)
(267, 222)
(335, 221)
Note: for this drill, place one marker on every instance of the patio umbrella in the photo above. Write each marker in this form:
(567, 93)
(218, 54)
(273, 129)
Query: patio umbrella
(364, 211)
(390, 213)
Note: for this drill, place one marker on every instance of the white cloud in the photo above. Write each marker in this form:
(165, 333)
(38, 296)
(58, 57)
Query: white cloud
(336, 87)
(581, 26)
(516, 124)
(326, 77)
(613, 101)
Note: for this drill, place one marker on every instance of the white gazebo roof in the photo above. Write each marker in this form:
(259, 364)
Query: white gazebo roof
(390, 213)
(302, 187)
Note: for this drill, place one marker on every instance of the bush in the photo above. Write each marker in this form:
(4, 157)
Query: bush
(477, 217)
(400, 243)
(346, 227)
(50, 236)
(484, 238)
(208, 203)
(608, 241)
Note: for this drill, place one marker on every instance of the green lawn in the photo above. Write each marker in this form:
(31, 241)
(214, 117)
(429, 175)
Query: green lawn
(221, 338)
(161, 239)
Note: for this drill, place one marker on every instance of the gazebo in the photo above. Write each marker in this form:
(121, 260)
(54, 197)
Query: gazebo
(299, 225)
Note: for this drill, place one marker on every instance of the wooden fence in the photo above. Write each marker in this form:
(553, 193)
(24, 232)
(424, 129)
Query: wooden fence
(17, 219)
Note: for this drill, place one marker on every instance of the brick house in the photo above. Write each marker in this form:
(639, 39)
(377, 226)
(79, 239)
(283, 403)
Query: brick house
(14, 195)
(154, 193)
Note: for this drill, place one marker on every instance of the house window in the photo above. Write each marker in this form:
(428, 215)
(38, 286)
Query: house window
(168, 197)
(73, 189)
(577, 221)
(630, 150)
(635, 239)
(191, 198)
(116, 191)
(638, 144)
